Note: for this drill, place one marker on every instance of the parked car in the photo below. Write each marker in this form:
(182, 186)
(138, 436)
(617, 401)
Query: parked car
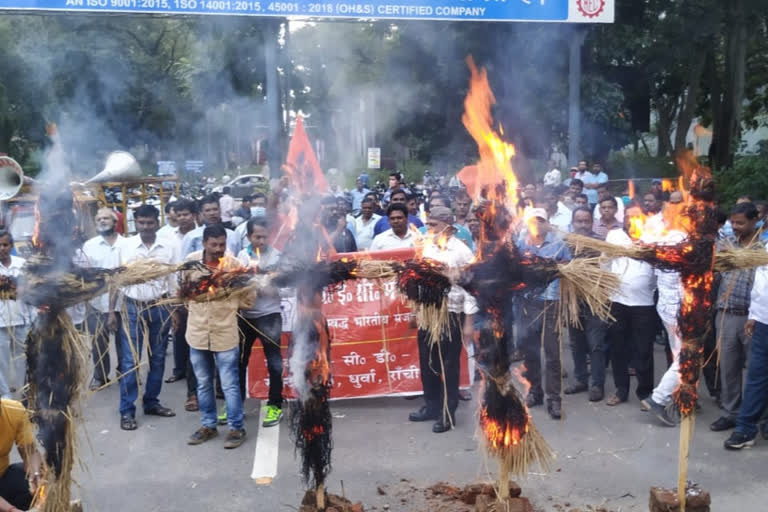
(242, 185)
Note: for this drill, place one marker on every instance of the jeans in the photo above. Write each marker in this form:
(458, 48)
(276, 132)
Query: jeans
(538, 322)
(227, 362)
(734, 347)
(589, 339)
(440, 379)
(13, 359)
(14, 487)
(269, 329)
(150, 324)
(97, 328)
(662, 394)
(755, 398)
(631, 339)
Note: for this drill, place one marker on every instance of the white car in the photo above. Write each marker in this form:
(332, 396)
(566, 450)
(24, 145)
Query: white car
(242, 185)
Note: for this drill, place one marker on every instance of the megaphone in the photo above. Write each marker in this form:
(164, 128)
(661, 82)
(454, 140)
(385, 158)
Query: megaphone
(11, 178)
(118, 166)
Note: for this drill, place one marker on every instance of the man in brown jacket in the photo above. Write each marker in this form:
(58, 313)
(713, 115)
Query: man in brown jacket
(213, 339)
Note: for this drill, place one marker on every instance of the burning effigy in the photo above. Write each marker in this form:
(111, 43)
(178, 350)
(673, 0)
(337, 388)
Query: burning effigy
(53, 345)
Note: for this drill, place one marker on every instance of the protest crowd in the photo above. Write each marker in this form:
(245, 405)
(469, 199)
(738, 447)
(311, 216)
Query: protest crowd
(211, 342)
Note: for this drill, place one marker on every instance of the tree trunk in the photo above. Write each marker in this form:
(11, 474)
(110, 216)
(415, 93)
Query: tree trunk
(729, 127)
(666, 114)
(688, 108)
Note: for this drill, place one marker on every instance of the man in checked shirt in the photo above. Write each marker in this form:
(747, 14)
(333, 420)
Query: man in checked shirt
(733, 297)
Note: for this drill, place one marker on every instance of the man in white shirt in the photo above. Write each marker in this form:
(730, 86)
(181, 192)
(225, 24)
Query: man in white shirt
(604, 193)
(398, 236)
(755, 399)
(15, 320)
(364, 225)
(559, 214)
(441, 380)
(210, 213)
(145, 319)
(227, 205)
(668, 306)
(170, 220)
(186, 214)
(631, 334)
(103, 251)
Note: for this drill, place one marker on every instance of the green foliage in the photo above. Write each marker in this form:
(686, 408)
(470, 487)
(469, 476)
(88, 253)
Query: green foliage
(749, 175)
(640, 166)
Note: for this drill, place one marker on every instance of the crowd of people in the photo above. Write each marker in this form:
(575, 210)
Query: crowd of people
(212, 341)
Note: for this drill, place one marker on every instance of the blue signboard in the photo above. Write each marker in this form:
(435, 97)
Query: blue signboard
(577, 11)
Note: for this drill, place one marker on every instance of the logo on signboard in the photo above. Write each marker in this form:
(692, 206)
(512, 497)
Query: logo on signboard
(591, 8)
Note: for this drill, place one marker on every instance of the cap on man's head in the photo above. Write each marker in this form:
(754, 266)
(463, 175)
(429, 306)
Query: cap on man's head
(441, 213)
(531, 213)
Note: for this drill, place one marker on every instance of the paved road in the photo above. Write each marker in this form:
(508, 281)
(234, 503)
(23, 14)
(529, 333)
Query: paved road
(606, 456)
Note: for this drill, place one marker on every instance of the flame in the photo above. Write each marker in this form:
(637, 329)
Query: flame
(319, 368)
(631, 189)
(500, 436)
(667, 185)
(494, 172)
(36, 242)
(517, 373)
(228, 262)
(39, 497)
(533, 227)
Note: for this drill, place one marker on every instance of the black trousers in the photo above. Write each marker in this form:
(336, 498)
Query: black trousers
(14, 487)
(181, 361)
(631, 338)
(268, 329)
(538, 321)
(97, 328)
(433, 373)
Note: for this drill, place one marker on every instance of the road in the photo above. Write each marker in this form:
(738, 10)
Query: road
(606, 456)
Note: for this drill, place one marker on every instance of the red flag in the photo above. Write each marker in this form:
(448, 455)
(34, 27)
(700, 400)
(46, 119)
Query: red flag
(301, 164)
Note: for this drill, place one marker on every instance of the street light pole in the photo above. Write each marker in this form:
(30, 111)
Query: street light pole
(574, 95)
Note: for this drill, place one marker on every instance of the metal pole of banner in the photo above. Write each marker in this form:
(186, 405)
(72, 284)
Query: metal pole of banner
(274, 119)
(574, 95)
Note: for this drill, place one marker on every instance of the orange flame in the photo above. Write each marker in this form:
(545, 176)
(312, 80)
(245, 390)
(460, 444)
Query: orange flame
(631, 189)
(500, 436)
(493, 172)
(39, 498)
(36, 242)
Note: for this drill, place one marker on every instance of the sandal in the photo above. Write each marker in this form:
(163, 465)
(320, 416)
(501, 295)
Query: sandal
(614, 400)
(191, 404)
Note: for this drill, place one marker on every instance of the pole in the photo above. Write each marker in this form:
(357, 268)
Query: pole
(274, 118)
(574, 95)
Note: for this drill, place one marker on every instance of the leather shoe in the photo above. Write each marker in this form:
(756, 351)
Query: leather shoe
(174, 378)
(554, 409)
(128, 422)
(422, 414)
(444, 423)
(575, 388)
(159, 410)
(722, 424)
(532, 400)
(595, 394)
